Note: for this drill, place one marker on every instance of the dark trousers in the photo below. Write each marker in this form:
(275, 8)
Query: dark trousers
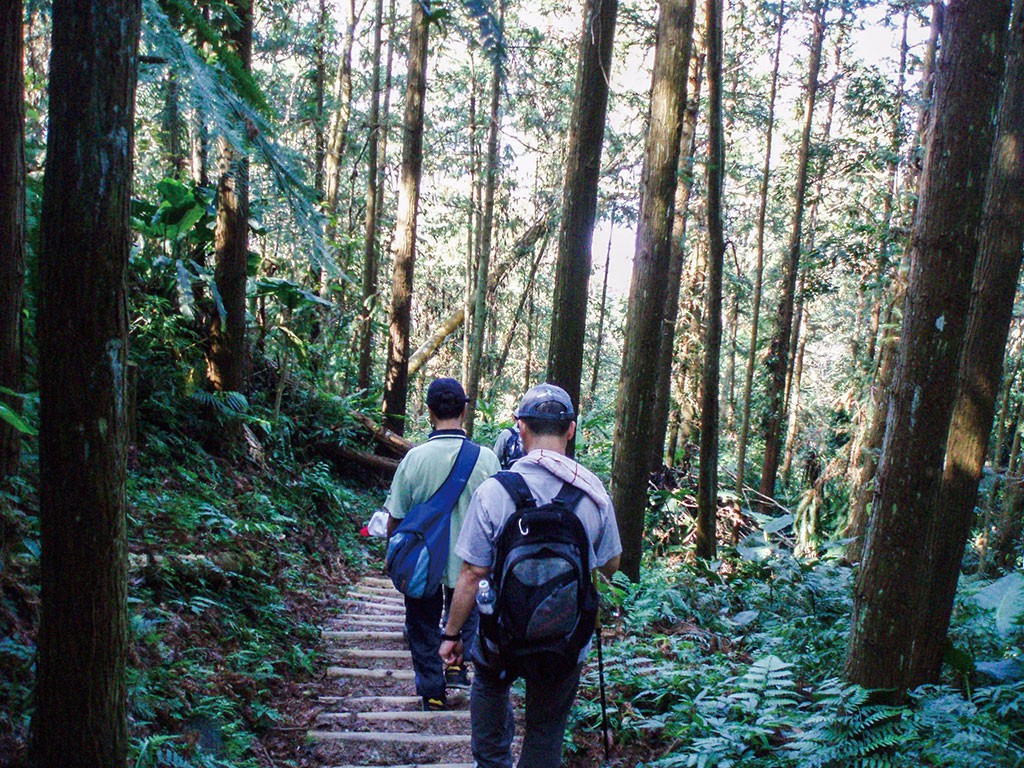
(423, 628)
(548, 701)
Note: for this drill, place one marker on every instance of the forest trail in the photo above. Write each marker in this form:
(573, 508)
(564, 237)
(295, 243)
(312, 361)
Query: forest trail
(372, 718)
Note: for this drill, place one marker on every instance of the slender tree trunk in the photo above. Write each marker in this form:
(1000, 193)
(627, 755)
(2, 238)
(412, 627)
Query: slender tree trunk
(755, 312)
(370, 219)
(172, 126)
(579, 198)
(729, 395)
(600, 313)
(480, 313)
(397, 378)
(981, 363)
(1011, 466)
(634, 419)
(888, 597)
(12, 225)
(471, 227)
(80, 717)
(337, 134)
(507, 346)
(528, 363)
(794, 409)
(684, 186)
(319, 85)
(776, 363)
(227, 362)
(1004, 410)
(707, 479)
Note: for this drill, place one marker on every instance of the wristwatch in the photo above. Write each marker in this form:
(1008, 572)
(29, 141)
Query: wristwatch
(451, 638)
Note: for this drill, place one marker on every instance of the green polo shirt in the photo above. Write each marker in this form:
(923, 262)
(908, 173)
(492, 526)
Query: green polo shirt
(422, 472)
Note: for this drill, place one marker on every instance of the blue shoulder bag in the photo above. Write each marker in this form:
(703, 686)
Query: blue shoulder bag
(418, 549)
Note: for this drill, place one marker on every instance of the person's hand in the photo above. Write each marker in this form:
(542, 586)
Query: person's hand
(450, 652)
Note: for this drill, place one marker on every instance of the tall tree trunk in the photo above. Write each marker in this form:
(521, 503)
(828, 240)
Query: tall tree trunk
(370, 219)
(337, 134)
(396, 382)
(994, 286)
(579, 197)
(507, 346)
(319, 85)
(600, 313)
(888, 597)
(755, 312)
(634, 418)
(227, 361)
(794, 407)
(707, 479)
(528, 362)
(480, 302)
(777, 362)
(175, 158)
(1004, 410)
(12, 224)
(80, 717)
(684, 186)
(471, 228)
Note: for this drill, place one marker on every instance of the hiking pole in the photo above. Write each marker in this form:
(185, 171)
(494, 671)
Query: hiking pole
(600, 676)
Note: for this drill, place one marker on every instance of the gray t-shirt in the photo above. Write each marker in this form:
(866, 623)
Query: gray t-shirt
(491, 506)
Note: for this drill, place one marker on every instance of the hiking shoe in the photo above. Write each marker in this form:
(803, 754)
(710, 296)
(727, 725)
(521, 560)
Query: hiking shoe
(434, 704)
(456, 676)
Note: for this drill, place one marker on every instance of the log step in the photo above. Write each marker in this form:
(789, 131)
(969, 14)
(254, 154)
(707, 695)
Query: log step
(456, 695)
(378, 674)
(378, 581)
(384, 737)
(338, 634)
(388, 607)
(374, 617)
(410, 765)
(388, 591)
(372, 653)
(417, 716)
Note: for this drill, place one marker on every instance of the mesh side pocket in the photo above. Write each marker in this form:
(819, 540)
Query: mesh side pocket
(556, 615)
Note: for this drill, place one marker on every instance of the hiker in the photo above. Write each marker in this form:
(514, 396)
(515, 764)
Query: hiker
(422, 472)
(509, 446)
(495, 534)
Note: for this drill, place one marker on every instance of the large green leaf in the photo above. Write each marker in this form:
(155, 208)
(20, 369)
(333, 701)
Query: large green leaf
(12, 417)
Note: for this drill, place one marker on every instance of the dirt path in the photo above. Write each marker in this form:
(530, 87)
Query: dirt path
(371, 716)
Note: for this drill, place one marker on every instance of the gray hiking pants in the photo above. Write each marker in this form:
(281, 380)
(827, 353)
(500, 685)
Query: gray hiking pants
(548, 701)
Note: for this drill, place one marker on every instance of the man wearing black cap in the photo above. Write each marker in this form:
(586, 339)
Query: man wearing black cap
(547, 422)
(418, 476)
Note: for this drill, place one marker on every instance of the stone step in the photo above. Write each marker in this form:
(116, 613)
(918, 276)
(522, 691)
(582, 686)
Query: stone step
(378, 674)
(389, 738)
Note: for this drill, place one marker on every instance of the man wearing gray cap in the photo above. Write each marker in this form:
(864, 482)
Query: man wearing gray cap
(555, 486)
(419, 475)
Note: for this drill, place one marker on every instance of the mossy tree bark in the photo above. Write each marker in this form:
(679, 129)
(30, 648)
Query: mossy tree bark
(777, 362)
(80, 716)
(648, 288)
(579, 197)
(12, 224)
(396, 382)
(889, 601)
(981, 363)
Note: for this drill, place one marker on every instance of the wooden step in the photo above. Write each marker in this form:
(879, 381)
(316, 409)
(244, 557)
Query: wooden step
(368, 617)
(388, 607)
(372, 653)
(389, 590)
(378, 581)
(340, 634)
(373, 621)
(455, 696)
(410, 765)
(416, 716)
(386, 738)
(378, 674)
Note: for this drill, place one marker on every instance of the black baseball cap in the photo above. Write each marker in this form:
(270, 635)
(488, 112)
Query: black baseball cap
(546, 401)
(445, 391)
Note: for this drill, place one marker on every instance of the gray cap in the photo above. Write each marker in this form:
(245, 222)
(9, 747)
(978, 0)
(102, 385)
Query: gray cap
(546, 401)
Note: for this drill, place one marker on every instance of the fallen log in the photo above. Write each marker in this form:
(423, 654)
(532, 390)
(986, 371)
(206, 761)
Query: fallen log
(454, 321)
(390, 440)
(345, 457)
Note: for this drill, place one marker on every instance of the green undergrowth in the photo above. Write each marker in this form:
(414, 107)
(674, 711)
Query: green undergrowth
(239, 535)
(738, 664)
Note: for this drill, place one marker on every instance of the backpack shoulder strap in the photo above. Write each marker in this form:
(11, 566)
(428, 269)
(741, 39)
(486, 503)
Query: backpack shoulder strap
(569, 496)
(517, 489)
(462, 468)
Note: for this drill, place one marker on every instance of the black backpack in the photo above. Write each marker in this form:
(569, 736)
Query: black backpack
(513, 449)
(545, 605)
